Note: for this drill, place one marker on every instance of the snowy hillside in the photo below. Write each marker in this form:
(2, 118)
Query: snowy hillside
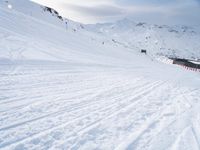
(25, 36)
(64, 85)
(175, 41)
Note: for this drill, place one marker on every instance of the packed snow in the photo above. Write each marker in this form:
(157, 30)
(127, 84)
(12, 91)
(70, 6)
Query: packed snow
(67, 86)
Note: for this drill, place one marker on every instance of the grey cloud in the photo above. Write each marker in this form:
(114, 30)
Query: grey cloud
(154, 11)
(98, 11)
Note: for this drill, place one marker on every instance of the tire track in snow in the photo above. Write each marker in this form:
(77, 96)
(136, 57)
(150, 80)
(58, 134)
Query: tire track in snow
(188, 136)
(95, 124)
(44, 84)
(171, 129)
(147, 126)
(150, 130)
(78, 105)
(81, 99)
(132, 113)
(62, 125)
(42, 92)
(39, 88)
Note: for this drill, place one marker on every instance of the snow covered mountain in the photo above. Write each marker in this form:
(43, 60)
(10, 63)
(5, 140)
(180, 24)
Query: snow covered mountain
(158, 40)
(174, 41)
(65, 85)
(32, 32)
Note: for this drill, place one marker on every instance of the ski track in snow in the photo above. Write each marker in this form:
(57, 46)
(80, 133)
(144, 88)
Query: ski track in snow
(65, 109)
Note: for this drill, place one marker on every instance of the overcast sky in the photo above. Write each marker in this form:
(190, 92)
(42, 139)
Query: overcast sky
(153, 11)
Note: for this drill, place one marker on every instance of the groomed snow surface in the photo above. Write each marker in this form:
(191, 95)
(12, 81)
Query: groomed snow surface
(61, 89)
(95, 107)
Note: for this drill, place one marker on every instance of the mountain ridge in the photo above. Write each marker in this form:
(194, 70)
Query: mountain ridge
(159, 40)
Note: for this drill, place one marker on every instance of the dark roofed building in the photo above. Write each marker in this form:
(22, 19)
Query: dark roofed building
(187, 63)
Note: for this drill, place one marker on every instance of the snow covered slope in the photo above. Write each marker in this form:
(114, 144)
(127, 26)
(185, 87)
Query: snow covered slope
(65, 87)
(25, 36)
(174, 41)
